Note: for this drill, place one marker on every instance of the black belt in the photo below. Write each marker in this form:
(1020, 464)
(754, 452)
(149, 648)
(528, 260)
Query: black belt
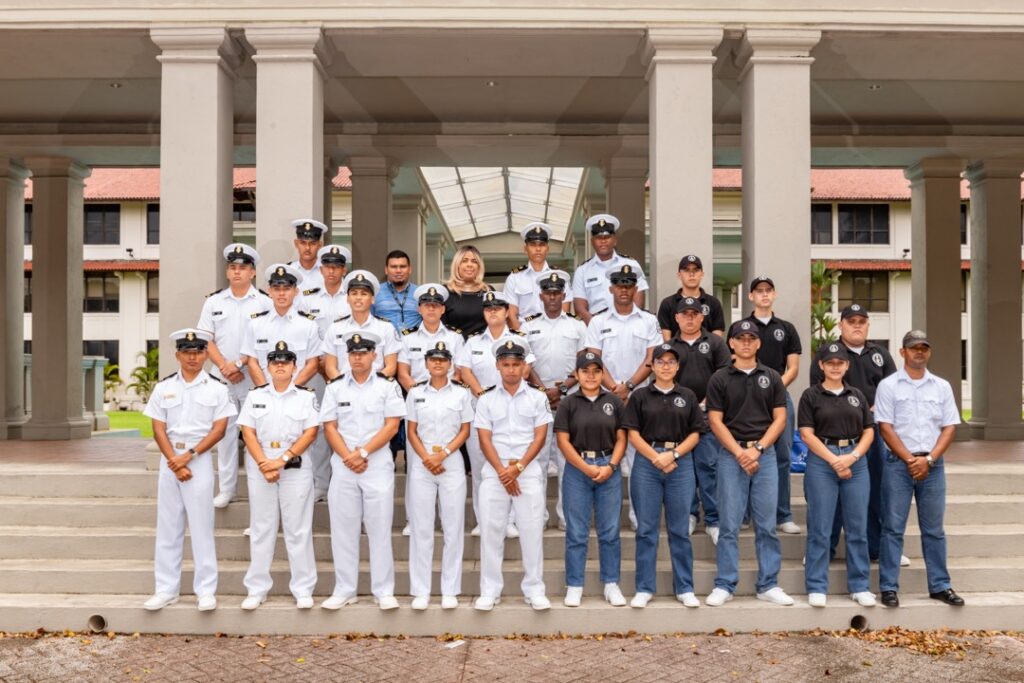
(921, 454)
(593, 455)
(293, 463)
(748, 444)
(667, 445)
(842, 443)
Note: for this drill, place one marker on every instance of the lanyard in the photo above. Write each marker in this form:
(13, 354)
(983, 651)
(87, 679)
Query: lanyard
(400, 302)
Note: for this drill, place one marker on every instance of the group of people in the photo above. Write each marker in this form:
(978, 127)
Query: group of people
(330, 374)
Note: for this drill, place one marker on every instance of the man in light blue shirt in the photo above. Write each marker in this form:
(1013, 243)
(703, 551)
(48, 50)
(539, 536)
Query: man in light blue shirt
(395, 300)
(917, 416)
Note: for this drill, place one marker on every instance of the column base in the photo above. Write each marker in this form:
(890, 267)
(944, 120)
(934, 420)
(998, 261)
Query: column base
(10, 430)
(101, 423)
(997, 431)
(65, 430)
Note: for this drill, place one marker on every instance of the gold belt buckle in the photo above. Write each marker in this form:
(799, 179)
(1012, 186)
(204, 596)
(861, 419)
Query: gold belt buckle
(435, 449)
(179, 445)
(275, 444)
(843, 443)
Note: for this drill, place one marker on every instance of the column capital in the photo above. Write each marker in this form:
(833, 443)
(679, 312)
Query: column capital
(289, 43)
(625, 167)
(692, 45)
(409, 202)
(775, 46)
(371, 166)
(57, 167)
(978, 171)
(12, 170)
(197, 45)
(934, 167)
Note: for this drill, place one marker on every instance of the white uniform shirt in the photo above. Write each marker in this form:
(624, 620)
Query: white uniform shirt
(279, 417)
(228, 317)
(476, 354)
(416, 341)
(591, 282)
(325, 307)
(360, 409)
(623, 340)
(511, 418)
(522, 289)
(189, 409)
(334, 342)
(311, 279)
(916, 409)
(438, 414)
(555, 342)
(301, 334)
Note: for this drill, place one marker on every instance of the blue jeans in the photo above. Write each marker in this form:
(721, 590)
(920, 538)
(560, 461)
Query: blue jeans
(735, 489)
(876, 463)
(824, 489)
(898, 487)
(705, 463)
(783, 456)
(651, 488)
(582, 499)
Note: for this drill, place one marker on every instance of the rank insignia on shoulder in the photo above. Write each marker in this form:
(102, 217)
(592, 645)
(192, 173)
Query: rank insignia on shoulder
(257, 315)
(420, 384)
(486, 389)
(475, 334)
(410, 330)
(382, 318)
(383, 376)
(461, 384)
(519, 269)
(264, 293)
(517, 333)
(344, 317)
(336, 378)
(218, 379)
(307, 314)
(532, 317)
(574, 316)
(169, 376)
(261, 386)
(216, 292)
(534, 386)
(303, 387)
(599, 312)
(307, 292)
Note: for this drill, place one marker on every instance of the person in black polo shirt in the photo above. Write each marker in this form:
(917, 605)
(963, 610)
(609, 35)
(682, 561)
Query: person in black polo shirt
(746, 405)
(691, 272)
(701, 353)
(664, 421)
(780, 350)
(836, 424)
(588, 427)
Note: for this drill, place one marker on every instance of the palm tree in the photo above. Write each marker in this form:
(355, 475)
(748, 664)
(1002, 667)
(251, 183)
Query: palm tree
(823, 325)
(145, 377)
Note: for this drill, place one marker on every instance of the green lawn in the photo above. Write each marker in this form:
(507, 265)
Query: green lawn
(131, 419)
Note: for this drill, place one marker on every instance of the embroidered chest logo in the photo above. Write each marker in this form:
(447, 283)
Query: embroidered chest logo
(608, 409)
(704, 347)
(854, 401)
(779, 334)
(763, 381)
(705, 309)
(679, 402)
(876, 358)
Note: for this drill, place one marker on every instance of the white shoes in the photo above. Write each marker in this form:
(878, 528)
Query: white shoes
(485, 604)
(511, 531)
(817, 599)
(539, 602)
(319, 495)
(475, 531)
(613, 595)
(693, 523)
(573, 596)
(552, 469)
(904, 561)
(789, 528)
(776, 596)
(222, 500)
(449, 602)
(338, 601)
(712, 532)
(864, 598)
(688, 599)
(251, 602)
(159, 601)
(304, 602)
(206, 603)
(640, 600)
(420, 603)
(718, 597)
(406, 531)
(387, 602)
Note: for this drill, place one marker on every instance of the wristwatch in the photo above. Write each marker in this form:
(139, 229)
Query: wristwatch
(931, 462)
(362, 453)
(759, 447)
(563, 389)
(519, 466)
(446, 451)
(286, 457)
(614, 466)
(676, 454)
(630, 385)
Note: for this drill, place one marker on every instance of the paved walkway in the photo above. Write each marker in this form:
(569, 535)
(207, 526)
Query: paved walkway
(636, 659)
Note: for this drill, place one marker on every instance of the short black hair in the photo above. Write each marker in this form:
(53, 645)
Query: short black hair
(397, 253)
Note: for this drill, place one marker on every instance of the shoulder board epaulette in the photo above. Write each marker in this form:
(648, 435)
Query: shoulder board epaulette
(164, 379)
(306, 314)
(576, 317)
(461, 384)
(420, 384)
(598, 312)
(519, 269)
(336, 378)
(534, 386)
(257, 315)
(383, 376)
(410, 330)
(307, 292)
(621, 255)
(344, 317)
(517, 333)
(380, 318)
(264, 293)
(532, 317)
(260, 386)
(218, 379)
(303, 387)
(486, 389)
(216, 292)
(475, 334)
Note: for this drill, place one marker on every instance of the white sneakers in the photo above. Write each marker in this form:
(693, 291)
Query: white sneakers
(712, 532)
(420, 603)
(319, 495)
(539, 602)
(222, 500)
(789, 528)
(251, 602)
(776, 596)
(485, 604)
(386, 602)
(864, 598)
(573, 596)
(511, 531)
(693, 523)
(718, 597)
(640, 600)
(904, 561)
(338, 601)
(304, 602)
(817, 599)
(613, 595)
(406, 531)
(159, 601)
(688, 599)
(449, 602)
(475, 531)
(206, 603)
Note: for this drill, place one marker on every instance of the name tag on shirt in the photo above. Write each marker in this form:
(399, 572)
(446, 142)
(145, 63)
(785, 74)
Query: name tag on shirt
(591, 279)
(415, 350)
(344, 404)
(259, 405)
(478, 353)
(261, 341)
(218, 313)
(606, 330)
(420, 400)
(533, 332)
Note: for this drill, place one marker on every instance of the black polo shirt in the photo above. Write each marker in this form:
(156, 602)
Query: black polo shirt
(746, 401)
(591, 425)
(867, 368)
(778, 339)
(714, 317)
(663, 417)
(700, 360)
(834, 416)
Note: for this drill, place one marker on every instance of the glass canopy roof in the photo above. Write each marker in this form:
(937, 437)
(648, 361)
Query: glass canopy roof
(481, 201)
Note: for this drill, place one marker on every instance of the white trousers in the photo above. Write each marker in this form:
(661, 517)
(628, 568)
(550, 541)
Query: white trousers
(477, 465)
(426, 493)
(227, 453)
(288, 504)
(179, 503)
(550, 453)
(367, 499)
(495, 505)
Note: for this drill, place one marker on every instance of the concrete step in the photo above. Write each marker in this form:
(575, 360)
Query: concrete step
(136, 576)
(136, 543)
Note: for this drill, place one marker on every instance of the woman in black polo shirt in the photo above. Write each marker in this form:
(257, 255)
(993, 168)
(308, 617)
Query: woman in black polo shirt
(588, 426)
(836, 424)
(664, 421)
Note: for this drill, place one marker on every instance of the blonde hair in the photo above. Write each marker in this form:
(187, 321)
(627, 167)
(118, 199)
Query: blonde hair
(456, 282)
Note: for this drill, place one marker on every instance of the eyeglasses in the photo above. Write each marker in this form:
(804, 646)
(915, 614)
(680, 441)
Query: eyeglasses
(666, 362)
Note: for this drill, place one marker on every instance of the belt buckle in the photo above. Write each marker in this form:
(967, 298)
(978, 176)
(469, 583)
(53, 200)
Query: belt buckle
(843, 443)
(275, 444)
(180, 445)
(589, 455)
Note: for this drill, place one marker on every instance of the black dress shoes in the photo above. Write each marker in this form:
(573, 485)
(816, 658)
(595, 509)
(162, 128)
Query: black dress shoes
(947, 596)
(890, 599)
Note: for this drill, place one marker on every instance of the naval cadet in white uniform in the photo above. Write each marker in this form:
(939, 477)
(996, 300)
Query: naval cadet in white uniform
(439, 413)
(226, 314)
(590, 283)
(309, 238)
(361, 413)
(412, 366)
(361, 286)
(512, 421)
(190, 412)
(279, 421)
(521, 284)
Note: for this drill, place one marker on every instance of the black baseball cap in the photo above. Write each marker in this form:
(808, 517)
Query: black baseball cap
(691, 259)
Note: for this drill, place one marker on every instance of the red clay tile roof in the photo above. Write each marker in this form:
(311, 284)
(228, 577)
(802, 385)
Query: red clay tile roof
(838, 184)
(882, 264)
(131, 265)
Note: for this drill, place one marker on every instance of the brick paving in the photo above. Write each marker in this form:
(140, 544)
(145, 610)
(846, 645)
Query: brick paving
(786, 658)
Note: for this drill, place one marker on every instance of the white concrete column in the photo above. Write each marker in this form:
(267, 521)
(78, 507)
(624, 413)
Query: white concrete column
(679, 72)
(196, 159)
(433, 264)
(775, 78)
(625, 182)
(57, 229)
(407, 231)
(935, 256)
(12, 300)
(372, 178)
(996, 366)
(290, 62)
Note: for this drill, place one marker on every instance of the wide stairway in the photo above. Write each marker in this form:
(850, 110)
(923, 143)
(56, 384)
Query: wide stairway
(76, 549)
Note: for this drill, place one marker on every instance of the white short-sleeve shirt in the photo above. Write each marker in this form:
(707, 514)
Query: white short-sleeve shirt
(416, 341)
(476, 354)
(266, 329)
(360, 409)
(522, 289)
(916, 409)
(189, 409)
(590, 282)
(555, 342)
(228, 317)
(623, 340)
(279, 417)
(512, 418)
(438, 413)
(334, 341)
